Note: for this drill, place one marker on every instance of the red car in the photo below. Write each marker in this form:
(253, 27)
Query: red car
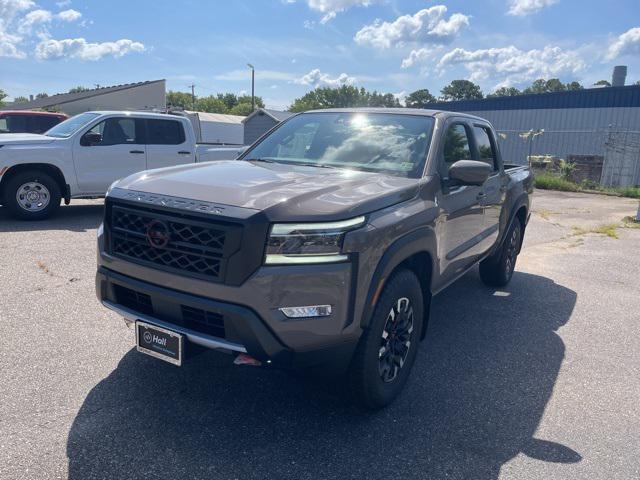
(24, 121)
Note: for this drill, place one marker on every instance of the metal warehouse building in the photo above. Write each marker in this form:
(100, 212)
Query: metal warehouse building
(261, 121)
(603, 123)
(130, 96)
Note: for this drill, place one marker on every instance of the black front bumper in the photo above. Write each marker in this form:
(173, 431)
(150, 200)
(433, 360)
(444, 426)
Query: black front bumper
(208, 322)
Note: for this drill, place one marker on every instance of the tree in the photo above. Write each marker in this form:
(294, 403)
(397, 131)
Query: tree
(419, 99)
(602, 82)
(242, 108)
(20, 99)
(179, 100)
(78, 89)
(42, 95)
(552, 85)
(211, 104)
(637, 82)
(461, 90)
(505, 92)
(344, 96)
(3, 95)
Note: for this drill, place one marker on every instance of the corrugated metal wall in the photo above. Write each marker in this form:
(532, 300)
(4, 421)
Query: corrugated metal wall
(568, 131)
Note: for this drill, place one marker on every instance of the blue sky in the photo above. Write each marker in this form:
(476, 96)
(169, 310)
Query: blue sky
(295, 45)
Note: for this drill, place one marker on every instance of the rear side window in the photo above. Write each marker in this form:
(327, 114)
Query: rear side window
(456, 146)
(486, 150)
(165, 132)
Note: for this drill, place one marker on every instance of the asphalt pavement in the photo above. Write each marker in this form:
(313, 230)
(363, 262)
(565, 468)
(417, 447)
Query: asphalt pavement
(539, 380)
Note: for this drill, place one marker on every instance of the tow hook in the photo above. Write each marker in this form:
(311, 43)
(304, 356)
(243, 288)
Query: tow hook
(244, 359)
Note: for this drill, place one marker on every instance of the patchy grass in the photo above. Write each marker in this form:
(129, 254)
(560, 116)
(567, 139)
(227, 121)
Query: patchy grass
(608, 229)
(548, 181)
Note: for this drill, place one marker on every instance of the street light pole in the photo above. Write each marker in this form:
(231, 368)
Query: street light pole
(253, 84)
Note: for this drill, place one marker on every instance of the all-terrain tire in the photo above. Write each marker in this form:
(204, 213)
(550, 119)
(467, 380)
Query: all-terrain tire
(31, 195)
(374, 382)
(497, 269)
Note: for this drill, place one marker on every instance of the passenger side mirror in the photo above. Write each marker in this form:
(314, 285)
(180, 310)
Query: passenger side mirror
(470, 172)
(90, 138)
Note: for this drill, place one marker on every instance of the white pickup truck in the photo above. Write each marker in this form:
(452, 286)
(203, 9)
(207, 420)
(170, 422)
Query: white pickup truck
(82, 156)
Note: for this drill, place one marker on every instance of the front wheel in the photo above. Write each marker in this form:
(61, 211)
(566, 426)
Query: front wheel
(32, 195)
(497, 269)
(388, 347)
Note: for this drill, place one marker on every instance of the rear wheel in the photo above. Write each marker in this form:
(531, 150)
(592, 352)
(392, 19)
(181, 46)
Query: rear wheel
(497, 269)
(32, 195)
(388, 347)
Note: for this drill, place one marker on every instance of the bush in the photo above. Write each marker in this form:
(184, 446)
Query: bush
(546, 181)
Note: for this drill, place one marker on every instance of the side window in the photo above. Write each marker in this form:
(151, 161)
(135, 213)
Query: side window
(486, 150)
(456, 147)
(17, 123)
(4, 128)
(41, 123)
(165, 132)
(116, 131)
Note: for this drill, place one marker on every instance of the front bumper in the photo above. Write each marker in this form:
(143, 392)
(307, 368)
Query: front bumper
(239, 328)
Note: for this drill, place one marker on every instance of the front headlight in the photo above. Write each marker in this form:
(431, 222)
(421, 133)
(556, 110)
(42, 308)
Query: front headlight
(295, 243)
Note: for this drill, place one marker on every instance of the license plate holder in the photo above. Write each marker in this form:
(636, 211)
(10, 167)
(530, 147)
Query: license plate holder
(159, 342)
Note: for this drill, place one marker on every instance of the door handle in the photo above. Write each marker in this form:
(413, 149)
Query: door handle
(136, 151)
(184, 152)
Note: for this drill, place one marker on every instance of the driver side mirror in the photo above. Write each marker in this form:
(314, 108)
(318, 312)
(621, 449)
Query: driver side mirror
(90, 138)
(470, 172)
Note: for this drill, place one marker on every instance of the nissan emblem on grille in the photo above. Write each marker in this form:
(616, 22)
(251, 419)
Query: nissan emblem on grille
(158, 234)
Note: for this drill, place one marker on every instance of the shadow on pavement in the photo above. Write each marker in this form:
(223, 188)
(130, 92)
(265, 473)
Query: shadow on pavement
(477, 394)
(75, 218)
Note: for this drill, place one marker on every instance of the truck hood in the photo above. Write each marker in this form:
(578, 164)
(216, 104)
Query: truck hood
(283, 192)
(24, 139)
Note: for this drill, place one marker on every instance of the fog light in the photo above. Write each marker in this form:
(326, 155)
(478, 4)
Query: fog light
(306, 312)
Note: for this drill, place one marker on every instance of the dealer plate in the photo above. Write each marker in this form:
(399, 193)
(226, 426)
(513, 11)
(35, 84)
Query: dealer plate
(159, 342)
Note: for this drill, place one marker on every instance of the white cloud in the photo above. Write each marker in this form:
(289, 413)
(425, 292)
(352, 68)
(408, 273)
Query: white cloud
(70, 15)
(63, 3)
(429, 25)
(513, 65)
(9, 9)
(521, 8)
(9, 45)
(627, 43)
(330, 8)
(420, 56)
(79, 48)
(318, 79)
(33, 18)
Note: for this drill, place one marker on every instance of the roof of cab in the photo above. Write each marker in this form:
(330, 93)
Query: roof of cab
(137, 114)
(29, 112)
(399, 111)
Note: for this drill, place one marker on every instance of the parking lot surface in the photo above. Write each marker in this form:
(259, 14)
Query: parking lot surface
(538, 380)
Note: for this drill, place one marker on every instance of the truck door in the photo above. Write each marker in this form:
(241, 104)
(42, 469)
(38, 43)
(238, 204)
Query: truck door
(167, 144)
(494, 189)
(111, 149)
(461, 223)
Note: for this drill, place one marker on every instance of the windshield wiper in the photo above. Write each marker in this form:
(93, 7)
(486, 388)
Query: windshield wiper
(311, 164)
(265, 160)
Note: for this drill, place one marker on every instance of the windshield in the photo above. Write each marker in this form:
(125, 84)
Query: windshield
(386, 142)
(71, 126)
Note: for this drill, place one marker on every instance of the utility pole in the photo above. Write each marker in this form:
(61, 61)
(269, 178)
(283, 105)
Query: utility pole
(193, 96)
(253, 84)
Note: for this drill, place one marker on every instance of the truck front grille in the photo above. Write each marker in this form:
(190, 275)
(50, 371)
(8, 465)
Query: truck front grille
(181, 244)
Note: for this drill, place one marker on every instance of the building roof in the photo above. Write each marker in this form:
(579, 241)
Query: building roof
(277, 115)
(62, 98)
(627, 96)
(217, 117)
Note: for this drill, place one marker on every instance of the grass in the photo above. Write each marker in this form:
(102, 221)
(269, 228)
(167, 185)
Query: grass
(608, 229)
(545, 181)
(548, 181)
